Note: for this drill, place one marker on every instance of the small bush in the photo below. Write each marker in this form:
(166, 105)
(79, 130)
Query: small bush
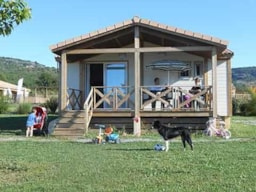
(3, 104)
(24, 108)
(248, 108)
(52, 104)
(235, 106)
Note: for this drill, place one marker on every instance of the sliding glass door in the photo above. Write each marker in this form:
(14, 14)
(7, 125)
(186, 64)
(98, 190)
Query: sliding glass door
(115, 77)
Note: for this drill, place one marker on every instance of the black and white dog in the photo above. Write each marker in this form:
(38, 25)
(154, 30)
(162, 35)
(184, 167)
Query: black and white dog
(171, 132)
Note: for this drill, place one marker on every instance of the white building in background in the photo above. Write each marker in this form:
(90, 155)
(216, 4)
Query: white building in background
(11, 90)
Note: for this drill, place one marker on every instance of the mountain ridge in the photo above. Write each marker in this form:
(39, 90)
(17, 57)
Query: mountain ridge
(12, 69)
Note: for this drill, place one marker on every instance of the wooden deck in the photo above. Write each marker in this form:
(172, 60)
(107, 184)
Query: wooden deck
(152, 113)
(72, 123)
(115, 105)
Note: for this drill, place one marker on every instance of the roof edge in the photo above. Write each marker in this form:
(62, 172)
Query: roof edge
(138, 21)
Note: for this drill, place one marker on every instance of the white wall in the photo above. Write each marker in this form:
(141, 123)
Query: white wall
(222, 95)
(73, 75)
(222, 86)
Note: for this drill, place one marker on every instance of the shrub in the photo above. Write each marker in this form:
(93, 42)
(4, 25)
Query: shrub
(24, 108)
(235, 106)
(249, 107)
(52, 104)
(240, 105)
(243, 109)
(3, 104)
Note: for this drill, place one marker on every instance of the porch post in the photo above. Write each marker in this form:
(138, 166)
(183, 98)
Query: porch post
(82, 83)
(214, 81)
(137, 121)
(229, 99)
(63, 83)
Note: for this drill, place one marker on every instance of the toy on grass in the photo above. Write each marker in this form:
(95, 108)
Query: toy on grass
(99, 138)
(106, 136)
(159, 147)
(110, 136)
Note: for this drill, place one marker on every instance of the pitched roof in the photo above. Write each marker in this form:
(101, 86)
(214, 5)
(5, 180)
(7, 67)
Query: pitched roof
(140, 22)
(6, 85)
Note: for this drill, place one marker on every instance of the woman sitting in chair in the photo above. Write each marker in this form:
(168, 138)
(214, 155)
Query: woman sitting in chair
(196, 88)
(193, 91)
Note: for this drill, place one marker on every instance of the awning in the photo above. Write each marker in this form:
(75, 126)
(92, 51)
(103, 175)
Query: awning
(169, 65)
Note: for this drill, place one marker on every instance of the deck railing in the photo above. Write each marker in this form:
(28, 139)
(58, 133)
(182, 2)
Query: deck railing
(122, 98)
(173, 98)
(113, 98)
(74, 99)
(176, 98)
(88, 108)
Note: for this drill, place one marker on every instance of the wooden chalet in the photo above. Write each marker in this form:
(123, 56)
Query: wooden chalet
(106, 77)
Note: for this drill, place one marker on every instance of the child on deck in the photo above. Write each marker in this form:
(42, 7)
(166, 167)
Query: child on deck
(31, 120)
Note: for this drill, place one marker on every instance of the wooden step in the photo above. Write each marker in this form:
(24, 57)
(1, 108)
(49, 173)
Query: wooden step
(72, 120)
(71, 114)
(68, 132)
(70, 124)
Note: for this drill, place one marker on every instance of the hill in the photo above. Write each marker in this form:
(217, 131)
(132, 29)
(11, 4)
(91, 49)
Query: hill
(244, 75)
(12, 69)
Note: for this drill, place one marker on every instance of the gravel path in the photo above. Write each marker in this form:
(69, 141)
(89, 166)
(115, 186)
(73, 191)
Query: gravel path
(123, 140)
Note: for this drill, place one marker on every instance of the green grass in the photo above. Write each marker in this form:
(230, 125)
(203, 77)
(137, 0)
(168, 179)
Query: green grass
(33, 165)
(48, 164)
(13, 124)
(243, 126)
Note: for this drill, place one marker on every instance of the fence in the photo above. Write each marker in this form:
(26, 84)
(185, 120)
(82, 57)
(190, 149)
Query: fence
(41, 94)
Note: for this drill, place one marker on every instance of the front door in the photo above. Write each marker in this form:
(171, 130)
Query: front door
(115, 78)
(97, 78)
(108, 75)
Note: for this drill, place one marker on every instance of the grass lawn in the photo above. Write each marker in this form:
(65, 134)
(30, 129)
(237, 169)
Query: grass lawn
(12, 124)
(41, 164)
(75, 166)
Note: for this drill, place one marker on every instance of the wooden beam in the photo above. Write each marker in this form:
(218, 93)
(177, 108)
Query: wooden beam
(118, 42)
(137, 127)
(143, 50)
(82, 81)
(97, 51)
(229, 87)
(108, 36)
(205, 72)
(63, 84)
(176, 49)
(214, 82)
(93, 41)
(169, 37)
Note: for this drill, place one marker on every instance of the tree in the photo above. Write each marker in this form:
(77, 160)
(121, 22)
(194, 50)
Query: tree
(3, 77)
(12, 12)
(46, 79)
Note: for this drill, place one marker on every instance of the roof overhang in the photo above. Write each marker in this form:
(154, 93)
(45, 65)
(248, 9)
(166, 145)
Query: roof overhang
(122, 35)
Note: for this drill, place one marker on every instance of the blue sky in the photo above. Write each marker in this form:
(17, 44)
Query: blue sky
(56, 20)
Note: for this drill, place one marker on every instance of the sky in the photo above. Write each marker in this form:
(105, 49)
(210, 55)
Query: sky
(54, 21)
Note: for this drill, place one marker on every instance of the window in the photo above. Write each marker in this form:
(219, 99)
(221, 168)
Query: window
(198, 66)
(187, 71)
